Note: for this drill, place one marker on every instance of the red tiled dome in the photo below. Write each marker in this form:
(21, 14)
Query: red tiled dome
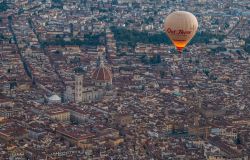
(102, 74)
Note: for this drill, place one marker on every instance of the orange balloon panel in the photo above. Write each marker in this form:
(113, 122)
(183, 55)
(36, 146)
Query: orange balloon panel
(180, 26)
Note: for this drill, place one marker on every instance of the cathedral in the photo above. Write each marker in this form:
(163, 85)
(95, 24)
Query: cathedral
(101, 81)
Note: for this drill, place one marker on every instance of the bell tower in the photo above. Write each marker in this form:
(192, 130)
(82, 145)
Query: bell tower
(78, 88)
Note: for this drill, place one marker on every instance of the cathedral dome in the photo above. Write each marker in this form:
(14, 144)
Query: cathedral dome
(102, 74)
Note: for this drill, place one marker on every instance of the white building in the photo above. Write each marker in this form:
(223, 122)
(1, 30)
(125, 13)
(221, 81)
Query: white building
(54, 99)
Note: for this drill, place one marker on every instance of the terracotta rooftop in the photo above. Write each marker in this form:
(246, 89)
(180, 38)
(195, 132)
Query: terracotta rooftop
(102, 73)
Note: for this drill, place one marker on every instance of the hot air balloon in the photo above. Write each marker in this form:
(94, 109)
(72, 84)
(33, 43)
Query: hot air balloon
(180, 26)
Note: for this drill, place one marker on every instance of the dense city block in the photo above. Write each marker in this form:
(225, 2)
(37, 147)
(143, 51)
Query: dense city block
(99, 79)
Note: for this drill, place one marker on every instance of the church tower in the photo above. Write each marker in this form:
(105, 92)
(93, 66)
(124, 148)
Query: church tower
(78, 88)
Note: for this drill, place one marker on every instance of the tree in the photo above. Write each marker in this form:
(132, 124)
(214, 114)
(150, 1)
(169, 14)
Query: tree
(162, 74)
(128, 62)
(148, 20)
(226, 25)
(71, 29)
(206, 71)
(10, 18)
(238, 52)
(190, 85)
(144, 59)
(122, 54)
(219, 49)
(131, 37)
(156, 59)
(13, 84)
(190, 60)
(114, 2)
(2, 37)
(57, 52)
(20, 11)
(3, 6)
(57, 4)
(213, 77)
(56, 1)
(197, 61)
(247, 45)
(238, 140)
(79, 70)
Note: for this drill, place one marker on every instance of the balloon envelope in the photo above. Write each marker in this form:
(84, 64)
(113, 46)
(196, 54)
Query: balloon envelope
(180, 26)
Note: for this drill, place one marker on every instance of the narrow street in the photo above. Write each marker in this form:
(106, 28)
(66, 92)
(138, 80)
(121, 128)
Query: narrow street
(241, 21)
(25, 64)
(31, 24)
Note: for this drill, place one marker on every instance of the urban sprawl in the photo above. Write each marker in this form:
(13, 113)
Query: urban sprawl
(99, 79)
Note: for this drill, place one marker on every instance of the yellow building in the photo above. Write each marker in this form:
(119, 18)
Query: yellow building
(59, 114)
(168, 127)
(84, 145)
(2, 119)
(115, 142)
